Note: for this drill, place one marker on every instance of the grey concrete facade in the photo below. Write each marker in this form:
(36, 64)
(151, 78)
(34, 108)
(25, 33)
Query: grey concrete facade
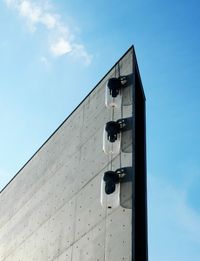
(51, 210)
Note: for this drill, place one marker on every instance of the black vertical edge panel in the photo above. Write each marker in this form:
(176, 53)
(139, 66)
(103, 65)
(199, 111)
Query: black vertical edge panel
(139, 234)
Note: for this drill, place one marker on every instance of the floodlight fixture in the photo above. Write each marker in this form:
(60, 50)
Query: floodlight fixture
(113, 93)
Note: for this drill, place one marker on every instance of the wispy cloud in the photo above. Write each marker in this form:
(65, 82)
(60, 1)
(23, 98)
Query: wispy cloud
(40, 13)
(172, 222)
(61, 47)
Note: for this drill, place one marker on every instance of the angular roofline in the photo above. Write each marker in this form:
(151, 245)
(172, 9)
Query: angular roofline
(131, 48)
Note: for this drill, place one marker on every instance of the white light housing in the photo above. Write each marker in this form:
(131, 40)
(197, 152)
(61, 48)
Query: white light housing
(110, 101)
(111, 148)
(113, 92)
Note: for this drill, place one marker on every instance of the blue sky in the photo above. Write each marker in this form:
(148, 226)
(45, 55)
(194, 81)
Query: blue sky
(54, 52)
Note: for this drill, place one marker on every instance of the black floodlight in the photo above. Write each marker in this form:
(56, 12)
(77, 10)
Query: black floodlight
(113, 128)
(115, 85)
(111, 178)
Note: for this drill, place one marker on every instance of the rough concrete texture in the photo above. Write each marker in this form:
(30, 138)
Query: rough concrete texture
(51, 210)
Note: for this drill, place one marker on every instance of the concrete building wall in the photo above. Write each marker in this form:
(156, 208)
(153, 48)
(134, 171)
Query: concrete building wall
(51, 210)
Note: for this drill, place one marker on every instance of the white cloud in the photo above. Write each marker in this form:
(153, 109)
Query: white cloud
(49, 21)
(29, 11)
(79, 51)
(61, 47)
(39, 13)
